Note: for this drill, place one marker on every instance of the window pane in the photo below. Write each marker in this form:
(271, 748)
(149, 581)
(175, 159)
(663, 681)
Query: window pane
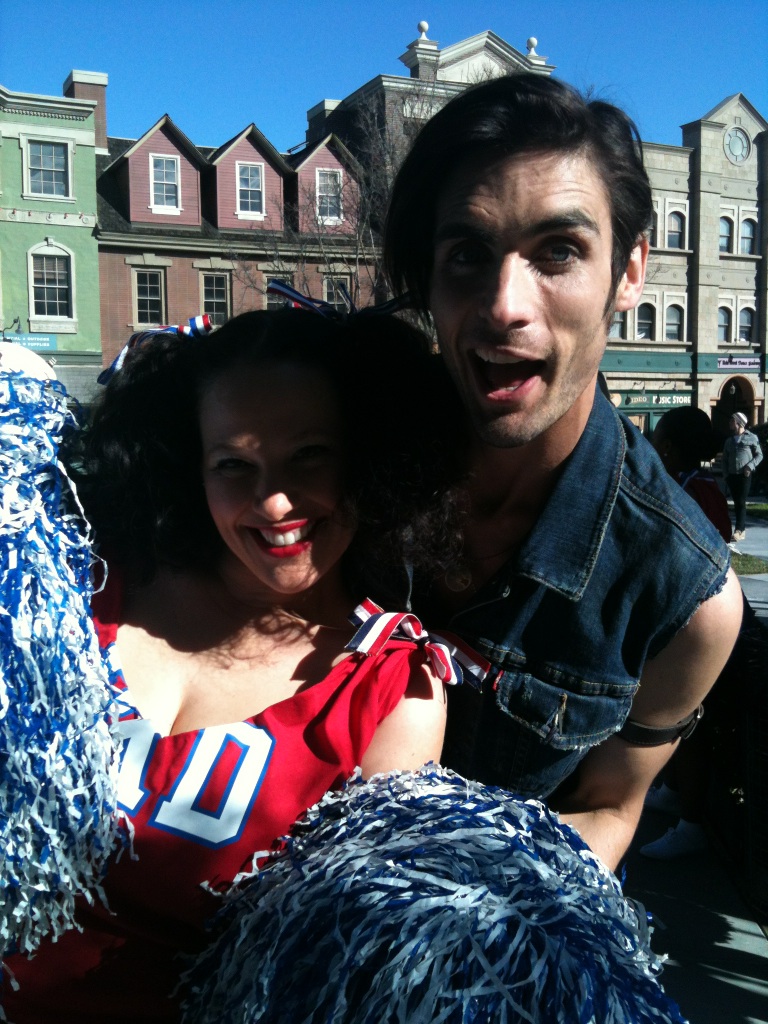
(675, 231)
(674, 326)
(164, 185)
(723, 324)
(726, 232)
(48, 168)
(646, 321)
(746, 320)
(149, 305)
(51, 285)
(329, 194)
(618, 326)
(748, 234)
(278, 301)
(215, 297)
(250, 194)
(335, 288)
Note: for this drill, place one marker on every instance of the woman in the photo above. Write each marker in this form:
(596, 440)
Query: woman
(741, 457)
(241, 525)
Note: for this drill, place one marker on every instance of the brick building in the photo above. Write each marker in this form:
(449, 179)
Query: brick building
(183, 228)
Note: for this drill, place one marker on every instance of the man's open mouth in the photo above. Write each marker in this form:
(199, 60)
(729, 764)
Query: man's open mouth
(502, 372)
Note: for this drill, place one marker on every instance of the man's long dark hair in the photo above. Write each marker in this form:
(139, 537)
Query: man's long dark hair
(522, 112)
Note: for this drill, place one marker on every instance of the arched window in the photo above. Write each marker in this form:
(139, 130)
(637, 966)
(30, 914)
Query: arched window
(618, 327)
(654, 237)
(646, 321)
(673, 330)
(51, 283)
(675, 231)
(726, 234)
(723, 324)
(748, 244)
(746, 324)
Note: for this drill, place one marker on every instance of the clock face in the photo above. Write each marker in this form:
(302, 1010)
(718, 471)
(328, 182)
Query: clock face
(737, 145)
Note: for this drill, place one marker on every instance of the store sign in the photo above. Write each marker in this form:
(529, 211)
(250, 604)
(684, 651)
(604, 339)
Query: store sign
(738, 363)
(38, 342)
(666, 399)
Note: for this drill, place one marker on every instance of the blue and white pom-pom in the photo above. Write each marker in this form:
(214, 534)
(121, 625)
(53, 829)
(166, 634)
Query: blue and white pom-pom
(420, 898)
(57, 754)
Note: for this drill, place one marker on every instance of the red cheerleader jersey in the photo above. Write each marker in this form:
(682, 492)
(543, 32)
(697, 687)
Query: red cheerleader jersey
(202, 803)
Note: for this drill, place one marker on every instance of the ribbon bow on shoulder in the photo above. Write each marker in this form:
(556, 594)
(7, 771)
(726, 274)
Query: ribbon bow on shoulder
(452, 660)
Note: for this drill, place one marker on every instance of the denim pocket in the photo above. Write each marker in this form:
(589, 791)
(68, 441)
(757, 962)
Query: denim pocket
(565, 712)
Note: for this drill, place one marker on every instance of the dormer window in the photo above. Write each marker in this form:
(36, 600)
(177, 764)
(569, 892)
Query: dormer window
(165, 184)
(250, 191)
(329, 210)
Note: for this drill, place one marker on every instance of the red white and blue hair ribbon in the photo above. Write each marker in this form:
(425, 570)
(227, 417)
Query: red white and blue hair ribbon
(451, 659)
(197, 327)
(298, 301)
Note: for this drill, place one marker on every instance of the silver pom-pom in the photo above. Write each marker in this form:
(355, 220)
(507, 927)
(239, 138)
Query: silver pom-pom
(58, 797)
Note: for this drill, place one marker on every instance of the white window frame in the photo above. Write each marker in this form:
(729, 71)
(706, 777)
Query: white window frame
(752, 307)
(653, 233)
(26, 189)
(676, 206)
(729, 304)
(167, 211)
(730, 217)
(338, 172)
(227, 291)
(276, 301)
(653, 303)
(755, 238)
(160, 271)
(41, 324)
(328, 279)
(250, 214)
(619, 318)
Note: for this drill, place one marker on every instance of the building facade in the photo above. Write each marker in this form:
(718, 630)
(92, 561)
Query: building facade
(698, 335)
(49, 262)
(101, 236)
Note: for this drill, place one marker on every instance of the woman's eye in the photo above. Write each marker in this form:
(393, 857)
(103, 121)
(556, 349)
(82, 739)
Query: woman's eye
(312, 453)
(232, 466)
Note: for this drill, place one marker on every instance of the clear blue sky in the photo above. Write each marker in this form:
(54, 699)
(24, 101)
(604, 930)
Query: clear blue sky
(217, 65)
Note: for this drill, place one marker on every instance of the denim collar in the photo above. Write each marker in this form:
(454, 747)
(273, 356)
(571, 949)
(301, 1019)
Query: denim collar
(562, 549)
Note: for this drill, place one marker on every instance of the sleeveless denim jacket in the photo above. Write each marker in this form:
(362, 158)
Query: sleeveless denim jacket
(617, 563)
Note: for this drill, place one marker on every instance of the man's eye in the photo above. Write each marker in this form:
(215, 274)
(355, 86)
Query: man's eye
(561, 253)
(468, 254)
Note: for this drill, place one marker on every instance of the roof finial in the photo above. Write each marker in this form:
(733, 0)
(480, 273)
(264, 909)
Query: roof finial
(532, 43)
(422, 28)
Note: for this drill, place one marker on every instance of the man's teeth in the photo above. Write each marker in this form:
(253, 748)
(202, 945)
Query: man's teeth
(494, 356)
(283, 538)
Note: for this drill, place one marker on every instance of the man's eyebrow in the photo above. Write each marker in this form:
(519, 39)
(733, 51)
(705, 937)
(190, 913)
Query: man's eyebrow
(565, 220)
(462, 229)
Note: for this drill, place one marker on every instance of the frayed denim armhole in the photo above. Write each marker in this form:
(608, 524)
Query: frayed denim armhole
(709, 590)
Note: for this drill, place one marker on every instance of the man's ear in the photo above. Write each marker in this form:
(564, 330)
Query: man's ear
(632, 282)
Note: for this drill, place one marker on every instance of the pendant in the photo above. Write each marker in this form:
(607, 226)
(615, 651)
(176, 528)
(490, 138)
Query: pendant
(458, 578)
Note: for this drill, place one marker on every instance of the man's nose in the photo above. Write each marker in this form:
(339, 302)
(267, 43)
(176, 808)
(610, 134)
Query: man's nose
(509, 295)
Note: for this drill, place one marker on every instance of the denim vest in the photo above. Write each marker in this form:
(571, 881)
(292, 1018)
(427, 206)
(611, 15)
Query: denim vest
(618, 561)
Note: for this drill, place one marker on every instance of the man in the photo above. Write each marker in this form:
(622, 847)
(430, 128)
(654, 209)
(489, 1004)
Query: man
(598, 591)
(742, 455)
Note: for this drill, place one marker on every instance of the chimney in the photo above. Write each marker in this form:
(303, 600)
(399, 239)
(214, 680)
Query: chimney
(422, 56)
(91, 85)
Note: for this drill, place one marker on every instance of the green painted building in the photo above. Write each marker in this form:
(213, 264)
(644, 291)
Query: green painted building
(49, 260)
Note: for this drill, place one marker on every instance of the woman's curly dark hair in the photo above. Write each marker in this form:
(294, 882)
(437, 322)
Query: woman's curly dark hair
(139, 466)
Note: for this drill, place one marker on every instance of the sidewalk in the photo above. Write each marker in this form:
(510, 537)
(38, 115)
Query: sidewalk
(718, 952)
